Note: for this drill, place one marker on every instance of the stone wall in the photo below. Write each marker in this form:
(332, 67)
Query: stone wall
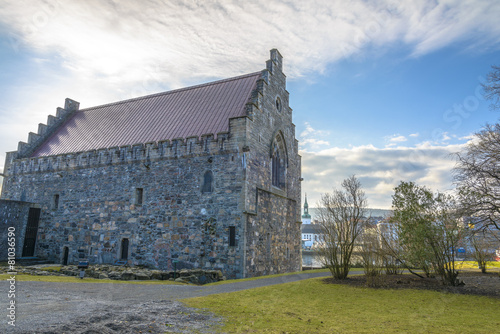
(195, 276)
(13, 214)
(273, 213)
(97, 206)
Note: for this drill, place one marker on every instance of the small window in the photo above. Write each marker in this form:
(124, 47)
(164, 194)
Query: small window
(278, 162)
(65, 256)
(206, 144)
(207, 182)
(232, 236)
(81, 253)
(139, 196)
(124, 252)
(55, 202)
(277, 168)
(278, 104)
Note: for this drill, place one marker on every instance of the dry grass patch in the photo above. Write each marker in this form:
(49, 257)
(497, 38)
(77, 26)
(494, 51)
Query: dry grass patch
(76, 279)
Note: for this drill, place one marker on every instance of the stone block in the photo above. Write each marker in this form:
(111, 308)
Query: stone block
(114, 275)
(157, 274)
(142, 276)
(127, 275)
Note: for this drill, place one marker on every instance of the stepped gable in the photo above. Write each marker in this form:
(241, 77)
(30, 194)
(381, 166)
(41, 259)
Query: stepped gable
(187, 112)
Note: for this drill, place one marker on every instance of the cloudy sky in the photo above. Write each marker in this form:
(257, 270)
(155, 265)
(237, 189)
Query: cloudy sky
(386, 90)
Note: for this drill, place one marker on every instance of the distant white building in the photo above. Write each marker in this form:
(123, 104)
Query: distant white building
(387, 230)
(311, 235)
(310, 232)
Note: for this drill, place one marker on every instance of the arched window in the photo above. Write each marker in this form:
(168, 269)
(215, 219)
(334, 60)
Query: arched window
(276, 166)
(207, 186)
(278, 162)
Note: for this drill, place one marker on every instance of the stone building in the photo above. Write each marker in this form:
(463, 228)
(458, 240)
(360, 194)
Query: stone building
(204, 177)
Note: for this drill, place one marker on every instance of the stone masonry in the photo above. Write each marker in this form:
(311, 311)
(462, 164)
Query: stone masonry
(13, 217)
(148, 201)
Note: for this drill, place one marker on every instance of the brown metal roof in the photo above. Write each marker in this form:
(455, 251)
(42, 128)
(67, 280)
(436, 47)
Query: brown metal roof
(182, 113)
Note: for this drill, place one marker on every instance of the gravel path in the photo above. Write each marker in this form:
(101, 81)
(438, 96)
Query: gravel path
(43, 307)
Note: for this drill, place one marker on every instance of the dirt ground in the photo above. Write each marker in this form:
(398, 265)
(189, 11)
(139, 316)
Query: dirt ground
(475, 283)
(89, 308)
(108, 308)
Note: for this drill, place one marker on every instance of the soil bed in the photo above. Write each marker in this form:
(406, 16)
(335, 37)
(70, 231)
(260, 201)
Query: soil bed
(476, 283)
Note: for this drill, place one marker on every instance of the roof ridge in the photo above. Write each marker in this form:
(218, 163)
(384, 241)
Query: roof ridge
(172, 91)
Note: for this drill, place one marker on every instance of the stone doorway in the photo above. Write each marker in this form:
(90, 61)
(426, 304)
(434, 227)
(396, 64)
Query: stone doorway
(65, 256)
(31, 231)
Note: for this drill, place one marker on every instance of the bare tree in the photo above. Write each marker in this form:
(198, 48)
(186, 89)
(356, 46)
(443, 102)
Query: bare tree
(341, 215)
(477, 174)
(390, 248)
(371, 255)
(483, 245)
(478, 177)
(492, 87)
(446, 234)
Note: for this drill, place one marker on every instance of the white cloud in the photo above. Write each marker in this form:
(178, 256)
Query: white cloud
(314, 142)
(397, 139)
(309, 130)
(130, 48)
(414, 135)
(446, 136)
(394, 140)
(469, 137)
(101, 51)
(312, 139)
(128, 40)
(441, 137)
(432, 25)
(379, 169)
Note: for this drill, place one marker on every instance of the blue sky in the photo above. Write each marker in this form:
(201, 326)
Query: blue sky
(386, 90)
(373, 96)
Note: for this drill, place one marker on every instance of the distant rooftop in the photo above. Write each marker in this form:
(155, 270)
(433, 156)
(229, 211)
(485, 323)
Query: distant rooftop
(311, 228)
(370, 212)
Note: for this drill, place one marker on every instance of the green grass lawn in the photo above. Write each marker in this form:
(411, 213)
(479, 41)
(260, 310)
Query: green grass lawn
(311, 306)
(495, 265)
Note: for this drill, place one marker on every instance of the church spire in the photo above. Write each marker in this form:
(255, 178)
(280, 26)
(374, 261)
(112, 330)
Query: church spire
(306, 206)
(306, 214)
